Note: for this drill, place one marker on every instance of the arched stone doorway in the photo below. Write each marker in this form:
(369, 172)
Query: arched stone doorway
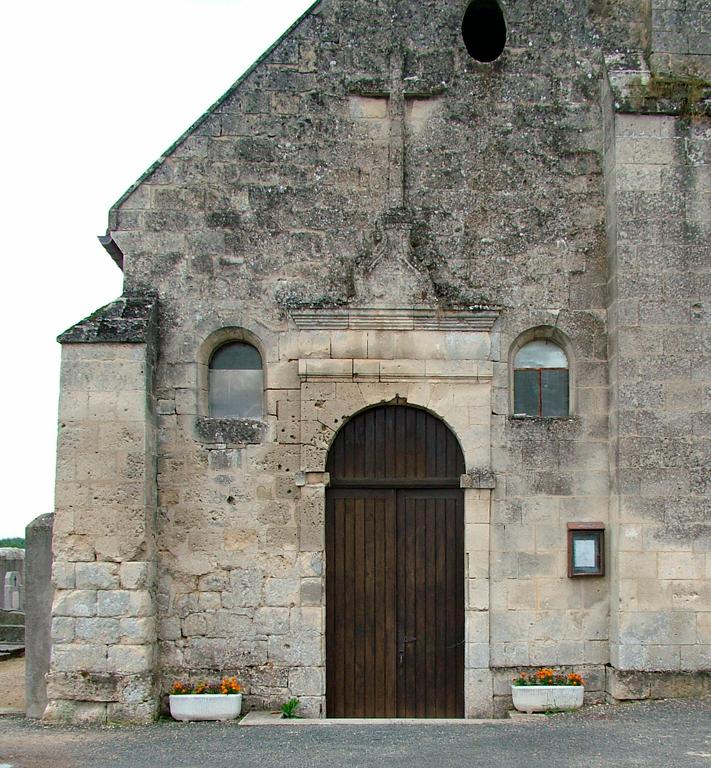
(395, 567)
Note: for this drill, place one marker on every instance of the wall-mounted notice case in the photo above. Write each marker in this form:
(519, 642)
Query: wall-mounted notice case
(586, 549)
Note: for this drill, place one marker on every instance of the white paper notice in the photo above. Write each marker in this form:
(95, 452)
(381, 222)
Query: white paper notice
(584, 553)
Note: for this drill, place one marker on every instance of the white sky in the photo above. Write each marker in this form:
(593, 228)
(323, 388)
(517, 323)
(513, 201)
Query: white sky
(93, 92)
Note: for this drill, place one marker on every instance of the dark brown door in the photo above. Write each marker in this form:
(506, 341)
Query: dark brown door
(361, 609)
(430, 603)
(395, 568)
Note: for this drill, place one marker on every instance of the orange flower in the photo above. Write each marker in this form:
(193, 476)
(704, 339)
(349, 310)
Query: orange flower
(575, 679)
(545, 674)
(229, 685)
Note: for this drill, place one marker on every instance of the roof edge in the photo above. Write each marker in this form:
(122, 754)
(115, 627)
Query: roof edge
(111, 247)
(225, 96)
(130, 319)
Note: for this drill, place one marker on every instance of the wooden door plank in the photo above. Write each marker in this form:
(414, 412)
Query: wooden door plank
(348, 602)
(332, 656)
(360, 449)
(432, 604)
(371, 651)
(420, 443)
(390, 601)
(450, 606)
(409, 443)
(359, 638)
(379, 681)
(441, 582)
(369, 446)
(460, 600)
(421, 599)
(441, 449)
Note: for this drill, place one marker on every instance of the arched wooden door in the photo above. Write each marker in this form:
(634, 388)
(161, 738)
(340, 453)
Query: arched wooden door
(395, 567)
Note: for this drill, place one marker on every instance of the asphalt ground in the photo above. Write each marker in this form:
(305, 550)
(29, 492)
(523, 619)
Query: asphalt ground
(662, 734)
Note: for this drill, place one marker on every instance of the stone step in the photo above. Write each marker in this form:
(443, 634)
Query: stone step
(12, 617)
(12, 633)
(11, 650)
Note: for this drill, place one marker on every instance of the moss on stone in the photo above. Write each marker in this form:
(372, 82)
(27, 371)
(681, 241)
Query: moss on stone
(683, 95)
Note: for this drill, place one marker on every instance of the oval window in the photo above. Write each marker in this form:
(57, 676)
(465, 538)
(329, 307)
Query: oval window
(484, 30)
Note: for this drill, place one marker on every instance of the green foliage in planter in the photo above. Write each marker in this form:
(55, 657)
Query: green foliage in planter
(288, 709)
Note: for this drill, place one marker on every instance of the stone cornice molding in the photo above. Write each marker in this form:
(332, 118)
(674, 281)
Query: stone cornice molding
(320, 369)
(475, 319)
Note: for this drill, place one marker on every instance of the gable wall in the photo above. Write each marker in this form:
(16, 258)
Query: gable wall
(273, 202)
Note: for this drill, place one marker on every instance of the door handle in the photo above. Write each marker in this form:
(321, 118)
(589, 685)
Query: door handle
(401, 651)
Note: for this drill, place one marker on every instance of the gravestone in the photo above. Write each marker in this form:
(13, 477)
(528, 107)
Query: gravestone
(12, 561)
(38, 617)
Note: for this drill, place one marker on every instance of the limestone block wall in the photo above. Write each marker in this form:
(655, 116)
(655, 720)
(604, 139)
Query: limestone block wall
(451, 378)
(104, 625)
(283, 195)
(241, 524)
(366, 162)
(292, 193)
(550, 472)
(241, 517)
(235, 593)
(678, 37)
(658, 173)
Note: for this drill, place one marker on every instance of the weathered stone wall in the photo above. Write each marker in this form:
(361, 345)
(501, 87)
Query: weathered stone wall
(659, 289)
(550, 472)
(103, 628)
(679, 40)
(287, 194)
(241, 526)
(368, 162)
(280, 196)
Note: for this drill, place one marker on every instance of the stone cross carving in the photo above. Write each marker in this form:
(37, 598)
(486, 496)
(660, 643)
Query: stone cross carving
(399, 91)
(396, 151)
(390, 274)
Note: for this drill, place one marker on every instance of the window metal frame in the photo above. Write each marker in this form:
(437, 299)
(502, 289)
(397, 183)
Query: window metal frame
(539, 372)
(554, 335)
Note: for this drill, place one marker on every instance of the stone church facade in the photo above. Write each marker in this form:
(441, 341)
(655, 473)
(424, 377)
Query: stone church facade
(379, 230)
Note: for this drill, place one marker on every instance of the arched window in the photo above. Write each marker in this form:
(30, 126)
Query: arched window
(541, 380)
(236, 382)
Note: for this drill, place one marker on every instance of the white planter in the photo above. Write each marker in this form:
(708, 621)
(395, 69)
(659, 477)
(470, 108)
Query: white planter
(542, 698)
(205, 706)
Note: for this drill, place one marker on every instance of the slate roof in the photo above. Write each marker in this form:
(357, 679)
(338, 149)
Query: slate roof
(128, 320)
